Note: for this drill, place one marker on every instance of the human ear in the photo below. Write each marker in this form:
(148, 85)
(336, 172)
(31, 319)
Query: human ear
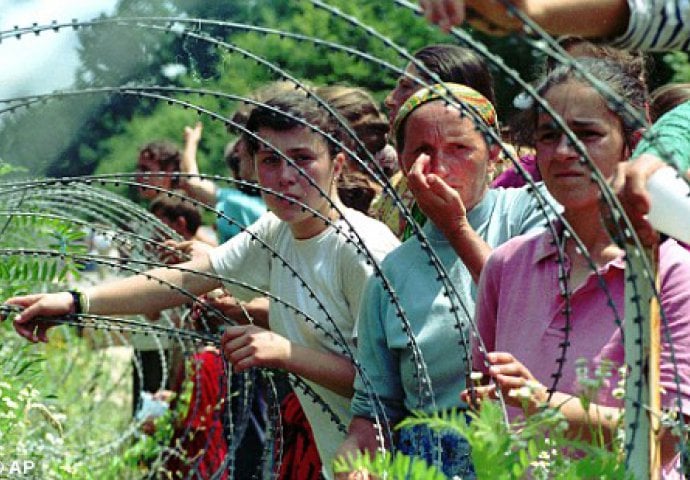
(494, 155)
(338, 164)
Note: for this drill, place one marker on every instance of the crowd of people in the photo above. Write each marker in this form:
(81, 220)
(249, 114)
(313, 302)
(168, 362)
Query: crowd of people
(384, 270)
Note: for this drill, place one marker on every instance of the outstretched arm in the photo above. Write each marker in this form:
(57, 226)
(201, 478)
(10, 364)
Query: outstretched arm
(132, 295)
(586, 18)
(197, 188)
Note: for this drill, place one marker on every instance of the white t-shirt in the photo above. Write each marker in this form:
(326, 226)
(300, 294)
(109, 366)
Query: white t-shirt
(335, 272)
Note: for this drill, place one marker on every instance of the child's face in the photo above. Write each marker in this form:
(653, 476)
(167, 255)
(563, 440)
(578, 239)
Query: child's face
(309, 152)
(596, 126)
(457, 151)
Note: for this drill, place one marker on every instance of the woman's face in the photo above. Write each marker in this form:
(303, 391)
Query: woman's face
(403, 90)
(596, 126)
(309, 151)
(457, 151)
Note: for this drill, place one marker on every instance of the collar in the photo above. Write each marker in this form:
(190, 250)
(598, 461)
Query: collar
(547, 248)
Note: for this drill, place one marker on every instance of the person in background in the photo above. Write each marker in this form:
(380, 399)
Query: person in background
(243, 203)
(180, 215)
(356, 188)
(157, 157)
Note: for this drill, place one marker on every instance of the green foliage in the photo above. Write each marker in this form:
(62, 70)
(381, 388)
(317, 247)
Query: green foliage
(387, 466)
(679, 65)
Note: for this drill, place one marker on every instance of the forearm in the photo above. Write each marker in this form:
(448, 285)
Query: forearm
(152, 292)
(586, 18)
(470, 247)
(361, 437)
(201, 190)
(333, 371)
(587, 424)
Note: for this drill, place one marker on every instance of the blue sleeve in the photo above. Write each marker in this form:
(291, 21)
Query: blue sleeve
(530, 216)
(379, 363)
(669, 138)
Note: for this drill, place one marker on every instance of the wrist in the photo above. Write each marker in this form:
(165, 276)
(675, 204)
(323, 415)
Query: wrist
(80, 302)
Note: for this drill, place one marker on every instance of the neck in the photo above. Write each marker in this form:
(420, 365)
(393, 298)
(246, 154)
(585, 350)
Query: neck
(314, 225)
(591, 232)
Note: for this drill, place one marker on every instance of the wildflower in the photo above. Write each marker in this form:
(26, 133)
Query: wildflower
(11, 404)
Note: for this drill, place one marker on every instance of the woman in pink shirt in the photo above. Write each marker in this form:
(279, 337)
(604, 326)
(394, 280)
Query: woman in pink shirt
(527, 336)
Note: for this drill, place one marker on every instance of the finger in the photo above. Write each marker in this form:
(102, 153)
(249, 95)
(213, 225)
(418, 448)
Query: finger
(483, 392)
(232, 333)
(497, 358)
(416, 178)
(509, 382)
(440, 188)
(511, 368)
(25, 330)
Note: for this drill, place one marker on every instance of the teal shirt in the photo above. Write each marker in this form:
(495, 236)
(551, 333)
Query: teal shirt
(669, 138)
(242, 208)
(382, 345)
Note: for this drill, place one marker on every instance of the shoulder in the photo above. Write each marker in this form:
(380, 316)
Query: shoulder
(521, 248)
(374, 234)
(674, 263)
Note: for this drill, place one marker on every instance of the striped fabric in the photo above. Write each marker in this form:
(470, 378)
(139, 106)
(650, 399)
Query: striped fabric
(657, 25)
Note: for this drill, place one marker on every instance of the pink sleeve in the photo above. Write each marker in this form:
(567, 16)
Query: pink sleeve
(674, 270)
(486, 311)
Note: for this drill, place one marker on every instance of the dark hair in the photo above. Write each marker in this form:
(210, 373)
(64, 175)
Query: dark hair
(623, 81)
(668, 97)
(456, 64)
(172, 207)
(282, 113)
(163, 152)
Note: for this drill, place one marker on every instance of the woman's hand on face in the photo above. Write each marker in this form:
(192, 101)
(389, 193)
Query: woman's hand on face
(27, 323)
(517, 384)
(439, 202)
(249, 346)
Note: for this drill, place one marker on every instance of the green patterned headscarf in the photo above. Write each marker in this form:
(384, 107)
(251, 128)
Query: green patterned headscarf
(461, 93)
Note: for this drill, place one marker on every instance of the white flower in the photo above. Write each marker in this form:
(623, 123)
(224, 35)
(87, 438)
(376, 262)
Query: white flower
(10, 403)
(476, 376)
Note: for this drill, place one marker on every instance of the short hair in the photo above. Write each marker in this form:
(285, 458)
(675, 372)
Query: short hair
(163, 152)
(456, 64)
(668, 97)
(283, 113)
(174, 206)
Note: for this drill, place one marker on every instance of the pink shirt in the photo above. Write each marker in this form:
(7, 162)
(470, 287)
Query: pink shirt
(519, 310)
